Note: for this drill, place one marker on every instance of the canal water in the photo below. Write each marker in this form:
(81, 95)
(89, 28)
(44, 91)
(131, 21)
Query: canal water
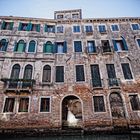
(89, 137)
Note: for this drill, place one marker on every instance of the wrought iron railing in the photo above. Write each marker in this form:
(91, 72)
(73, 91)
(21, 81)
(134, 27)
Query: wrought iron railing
(114, 82)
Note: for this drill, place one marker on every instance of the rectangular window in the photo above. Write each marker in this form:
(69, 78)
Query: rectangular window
(88, 28)
(112, 80)
(114, 27)
(80, 76)
(35, 27)
(50, 28)
(23, 27)
(126, 71)
(59, 29)
(135, 26)
(91, 47)
(23, 105)
(105, 46)
(9, 105)
(99, 105)
(60, 16)
(75, 16)
(59, 74)
(7, 25)
(45, 105)
(60, 47)
(102, 28)
(135, 102)
(77, 46)
(76, 29)
(138, 41)
(95, 75)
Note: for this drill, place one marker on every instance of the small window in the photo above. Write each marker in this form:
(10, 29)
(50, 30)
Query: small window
(138, 41)
(7, 25)
(80, 76)
(23, 105)
(102, 28)
(88, 28)
(91, 47)
(135, 26)
(3, 45)
(76, 29)
(31, 47)
(105, 46)
(50, 28)
(34, 27)
(59, 74)
(126, 71)
(60, 16)
(60, 29)
(135, 102)
(120, 45)
(45, 105)
(9, 105)
(77, 46)
(48, 47)
(75, 16)
(99, 105)
(114, 27)
(46, 74)
(20, 46)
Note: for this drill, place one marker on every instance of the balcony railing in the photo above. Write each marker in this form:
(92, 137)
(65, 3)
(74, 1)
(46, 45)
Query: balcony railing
(97, 83)
(18, 84)
(114, 82)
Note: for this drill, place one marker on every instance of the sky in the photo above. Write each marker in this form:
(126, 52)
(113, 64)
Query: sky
(90, 8)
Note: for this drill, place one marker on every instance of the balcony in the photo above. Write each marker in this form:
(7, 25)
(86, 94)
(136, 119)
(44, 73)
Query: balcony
(97, 84)
(114, 82)
(18, 85)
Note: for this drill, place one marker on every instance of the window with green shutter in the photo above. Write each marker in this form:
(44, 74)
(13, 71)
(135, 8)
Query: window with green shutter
(20, 46)
(32, 46)
(7, 25)
(48, 47)
(3, 45)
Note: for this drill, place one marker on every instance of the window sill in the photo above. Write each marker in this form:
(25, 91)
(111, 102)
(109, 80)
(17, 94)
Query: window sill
(92, 53)
(44, 112)
(102, 112)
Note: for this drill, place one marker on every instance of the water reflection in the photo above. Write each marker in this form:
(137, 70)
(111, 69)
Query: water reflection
(90, 137)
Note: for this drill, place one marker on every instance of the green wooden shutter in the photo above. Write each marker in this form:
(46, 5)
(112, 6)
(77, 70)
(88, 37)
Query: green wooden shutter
(124, 43)
(44, 48)
(55, 47)
(38, 27)
(24, 47)
(15, 47)
(11, 25)
(115, 45)
(3, 25)
(29, 27)
(46, 28)
(65, 47)
(19, 27)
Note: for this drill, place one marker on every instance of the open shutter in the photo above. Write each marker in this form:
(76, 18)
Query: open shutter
(65, 47)
(3, 25)
(115, 45)
(55, 47)
(46, 28)
(53, 29)
(11, 25)
(44, 48)
(24, 47)
(19, 27)
(15, 47)
(5, 47)
(124, 43)
(38, 27)
(29, 27)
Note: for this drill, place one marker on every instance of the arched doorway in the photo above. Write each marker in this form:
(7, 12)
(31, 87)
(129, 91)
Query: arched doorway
(71, 112)
(116, 104)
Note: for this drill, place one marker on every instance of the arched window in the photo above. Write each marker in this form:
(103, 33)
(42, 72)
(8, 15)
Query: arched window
(117, 107)
(3, 45)
(32, 45)
(15, 71)
(48, 47)
(28, 72)
(20, 46)
(46, 74)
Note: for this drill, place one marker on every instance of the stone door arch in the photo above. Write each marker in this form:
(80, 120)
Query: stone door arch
(71, 112)
(117, 106)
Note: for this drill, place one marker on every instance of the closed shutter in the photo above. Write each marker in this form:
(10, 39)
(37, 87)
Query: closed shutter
(11, 25)
(65, 47)
(46, 28)
(19, 27)
(3, 25)
(38, 27)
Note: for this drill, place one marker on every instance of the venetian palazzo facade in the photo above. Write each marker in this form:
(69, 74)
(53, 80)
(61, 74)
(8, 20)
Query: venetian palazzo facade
(69, 72)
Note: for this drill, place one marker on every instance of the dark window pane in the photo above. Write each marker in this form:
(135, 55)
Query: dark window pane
(126, 71)
(135, 103)
(9, 105)
(31, 47)
(77, 46)
(80, 76)
(23, 105)
(47, 74)
(59, 74)
(45, 105)
(99, 104)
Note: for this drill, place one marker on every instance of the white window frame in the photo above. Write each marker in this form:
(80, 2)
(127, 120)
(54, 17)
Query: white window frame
(117, 25)
(88, 25)
(74, 46)
(60, 32)
(27, 47)
(102, 25)
(73, 28)
(132, 27)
